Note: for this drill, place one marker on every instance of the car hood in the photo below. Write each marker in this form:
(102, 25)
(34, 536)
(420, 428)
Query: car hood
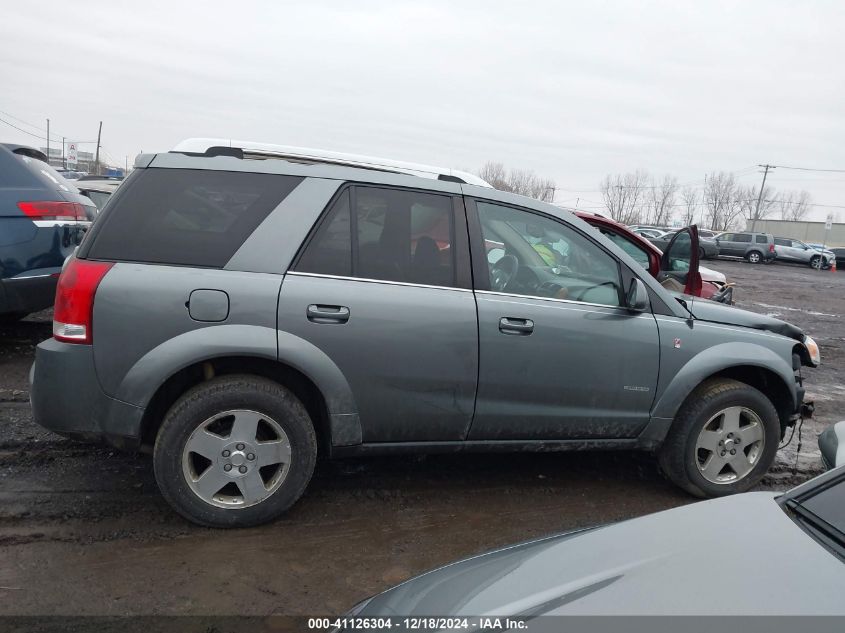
(729, 315)
(708, 274)
(739, 555)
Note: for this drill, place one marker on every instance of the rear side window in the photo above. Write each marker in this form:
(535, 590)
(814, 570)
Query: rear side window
(782, 242)
(186, 217)
(761, 239)
(386, 234)
(742, 237)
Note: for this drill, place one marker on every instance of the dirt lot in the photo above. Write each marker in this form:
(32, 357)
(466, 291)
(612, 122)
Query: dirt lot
(83, 529)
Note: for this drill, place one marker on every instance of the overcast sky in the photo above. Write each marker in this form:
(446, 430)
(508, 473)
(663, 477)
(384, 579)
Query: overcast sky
(572, 90)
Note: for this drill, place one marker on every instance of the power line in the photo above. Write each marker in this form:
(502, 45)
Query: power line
(839, 171)
(38, 136)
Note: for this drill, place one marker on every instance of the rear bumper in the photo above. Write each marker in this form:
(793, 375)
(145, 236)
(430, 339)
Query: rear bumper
(66, 397)
(28, 294)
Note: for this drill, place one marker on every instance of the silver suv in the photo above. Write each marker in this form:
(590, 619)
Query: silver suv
(241, 309)
(753, 247)
(790, 250)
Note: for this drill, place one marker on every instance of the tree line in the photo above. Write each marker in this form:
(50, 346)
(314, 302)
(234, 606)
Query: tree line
(721, 204)
(640, 198)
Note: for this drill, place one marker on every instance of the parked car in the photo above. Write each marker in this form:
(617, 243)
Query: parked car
(839, 252)
(832, 445)
(829, 254)
(707, 249)
(753, 247)
(693, 557)
(648, 233)
(98, 188)
(239, 307)
(42, 219)
(714, 285)
(707, 234)
(790, 250)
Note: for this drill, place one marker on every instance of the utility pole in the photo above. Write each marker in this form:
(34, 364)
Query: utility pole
(64, 161)
(97, 155)
(48, 141)
(766, 169)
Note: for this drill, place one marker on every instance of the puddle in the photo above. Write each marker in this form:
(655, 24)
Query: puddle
(774, 314)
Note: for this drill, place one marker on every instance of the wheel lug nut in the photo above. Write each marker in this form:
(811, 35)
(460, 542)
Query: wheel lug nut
(242, 469)
(250, 456)
(226, 453)
(723, 453)
(733, 451)
(240, 447)
(721, 442)
(227, 467)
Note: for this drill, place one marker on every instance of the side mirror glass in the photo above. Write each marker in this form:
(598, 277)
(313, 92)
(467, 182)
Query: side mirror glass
(637, 297)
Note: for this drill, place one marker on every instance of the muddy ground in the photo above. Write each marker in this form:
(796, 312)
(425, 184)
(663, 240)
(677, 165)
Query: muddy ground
(83, 529)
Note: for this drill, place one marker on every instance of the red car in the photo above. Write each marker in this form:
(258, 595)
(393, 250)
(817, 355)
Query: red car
(700, 284)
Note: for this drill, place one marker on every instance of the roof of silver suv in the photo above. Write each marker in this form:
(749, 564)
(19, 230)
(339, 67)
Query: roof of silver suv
(260, 151)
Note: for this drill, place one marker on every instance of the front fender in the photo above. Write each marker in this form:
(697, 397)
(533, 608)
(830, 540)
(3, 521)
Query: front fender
(156, 366)
(713, 360)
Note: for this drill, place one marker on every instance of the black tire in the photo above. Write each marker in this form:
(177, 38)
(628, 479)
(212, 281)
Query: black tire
(678, 456)
(815, 261)
(754, 257)
(701, 253)
(224, 394)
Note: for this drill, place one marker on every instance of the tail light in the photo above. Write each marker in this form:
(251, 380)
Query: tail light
(53, 211)
(74, 309)
(771, 248)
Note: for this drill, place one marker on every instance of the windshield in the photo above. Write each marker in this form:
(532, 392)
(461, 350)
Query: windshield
(820, 511)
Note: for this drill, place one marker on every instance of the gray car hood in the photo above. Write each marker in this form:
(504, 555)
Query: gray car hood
(738, 555)
(706, 310)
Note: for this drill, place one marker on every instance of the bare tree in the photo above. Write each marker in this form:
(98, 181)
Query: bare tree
(660, 199)
(623, 195)
(522, 181)
(748, 197)
(793, 205)
(690, 206)
(720, 200)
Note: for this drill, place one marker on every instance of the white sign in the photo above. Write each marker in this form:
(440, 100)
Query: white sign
(71, 155)
(829, 223)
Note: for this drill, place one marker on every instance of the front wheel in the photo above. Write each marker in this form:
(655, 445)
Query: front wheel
(754, 257)
(723, 440)
(816, 262)
(235, 451)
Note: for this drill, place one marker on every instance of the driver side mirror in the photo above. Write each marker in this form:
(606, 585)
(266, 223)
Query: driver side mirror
(637, 298)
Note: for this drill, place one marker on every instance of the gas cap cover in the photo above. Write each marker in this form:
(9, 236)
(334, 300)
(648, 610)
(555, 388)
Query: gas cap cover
(208, 305)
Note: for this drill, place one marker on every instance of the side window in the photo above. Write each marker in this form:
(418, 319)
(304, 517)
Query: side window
(386, 234)
(727, 237)
(330, 252)
(783, 242)
(636, 252)
(761, 239)
(742, 237)
(541, 257)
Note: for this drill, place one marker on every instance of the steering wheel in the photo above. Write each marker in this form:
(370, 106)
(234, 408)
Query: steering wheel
(588, 288)
(503, 272)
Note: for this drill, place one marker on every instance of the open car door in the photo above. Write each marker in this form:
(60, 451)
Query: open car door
(679, 264)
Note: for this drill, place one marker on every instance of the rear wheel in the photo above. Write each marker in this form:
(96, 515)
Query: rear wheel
(235, 451)
(754, 257)
(723, 440)
(701, 254)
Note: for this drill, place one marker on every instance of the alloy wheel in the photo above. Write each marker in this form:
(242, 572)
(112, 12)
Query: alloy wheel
(236, 458)
(730, 445)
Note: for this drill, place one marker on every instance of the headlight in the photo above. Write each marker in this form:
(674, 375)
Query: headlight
(813, 350)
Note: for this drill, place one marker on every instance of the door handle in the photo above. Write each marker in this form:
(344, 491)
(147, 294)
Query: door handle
(522, 327)
(318, 313)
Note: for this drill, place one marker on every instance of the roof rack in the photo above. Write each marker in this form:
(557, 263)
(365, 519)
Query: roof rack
(259, 151)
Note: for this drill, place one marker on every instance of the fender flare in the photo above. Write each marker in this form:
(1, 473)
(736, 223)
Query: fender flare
(151, 371)
(716, 359)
